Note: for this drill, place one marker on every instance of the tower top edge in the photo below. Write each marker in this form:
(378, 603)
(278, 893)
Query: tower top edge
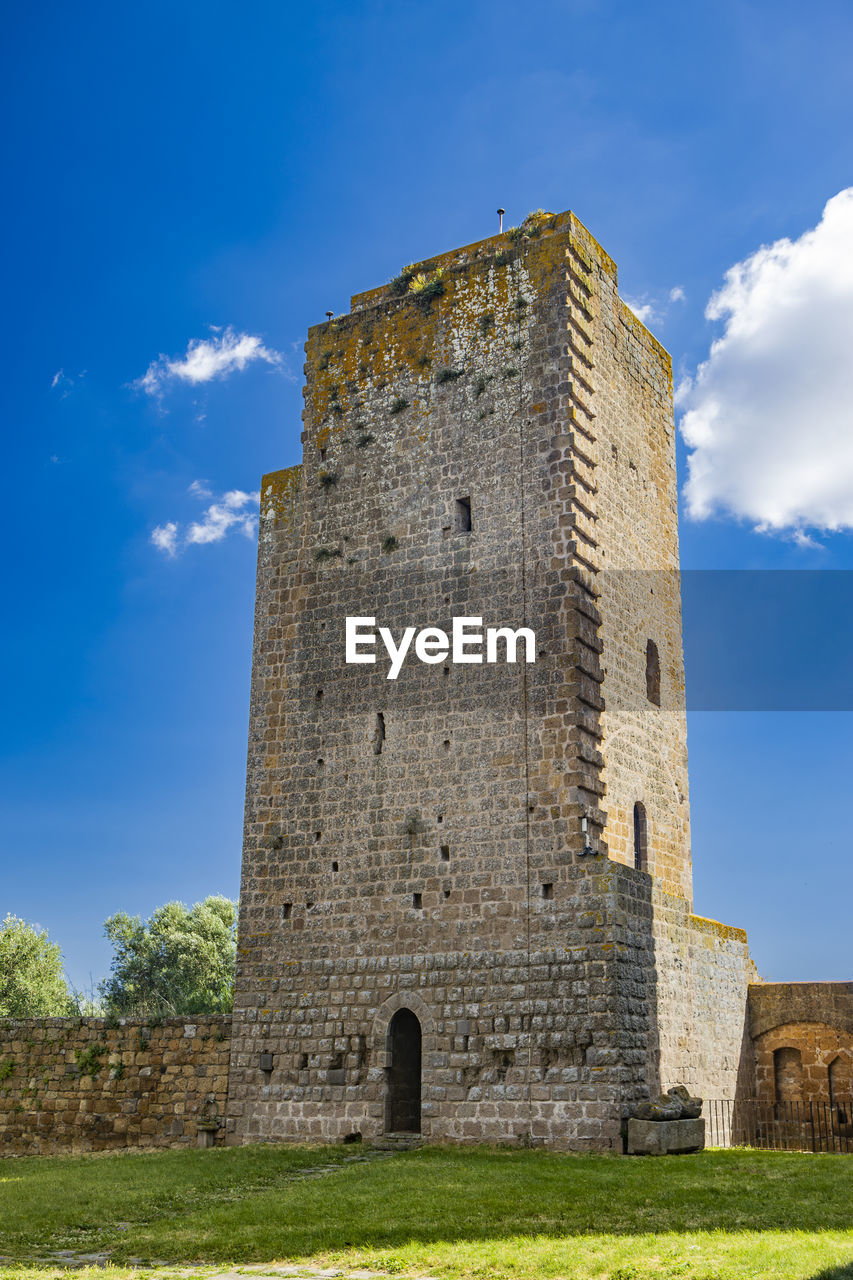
(570, 238)
(541, 225)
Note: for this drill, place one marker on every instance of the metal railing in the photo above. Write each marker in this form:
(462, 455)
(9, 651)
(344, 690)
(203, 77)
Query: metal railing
(779, 1126)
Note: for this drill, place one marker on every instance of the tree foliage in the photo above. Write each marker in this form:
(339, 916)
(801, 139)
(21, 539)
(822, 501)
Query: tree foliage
(32, 983)
(180, 961)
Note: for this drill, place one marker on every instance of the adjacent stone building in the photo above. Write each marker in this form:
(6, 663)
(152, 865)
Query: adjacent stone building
(466, 897)
(802, 1034)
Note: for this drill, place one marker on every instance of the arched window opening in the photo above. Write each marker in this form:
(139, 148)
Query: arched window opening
(788, 1075)
(641, 837)
(652, 673)
(403, 1108)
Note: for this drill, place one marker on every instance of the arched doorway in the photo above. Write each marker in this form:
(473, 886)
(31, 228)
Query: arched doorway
(403, 1106)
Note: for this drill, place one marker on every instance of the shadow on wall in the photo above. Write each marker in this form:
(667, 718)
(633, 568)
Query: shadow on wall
(745, 1087)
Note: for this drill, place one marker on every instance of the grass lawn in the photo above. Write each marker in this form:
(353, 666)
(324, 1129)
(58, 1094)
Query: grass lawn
(487, 1211)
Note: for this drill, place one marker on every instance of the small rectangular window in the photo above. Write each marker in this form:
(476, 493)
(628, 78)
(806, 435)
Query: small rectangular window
(287, 911)
(417, 901)
(547, 891)
(445, 853)
(463, 515)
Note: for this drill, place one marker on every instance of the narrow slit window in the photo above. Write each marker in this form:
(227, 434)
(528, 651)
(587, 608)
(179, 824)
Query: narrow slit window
(641, 838)
(379, 734)
(548, 891)
(287, 911)
(652, 673)
(417, 901)
(445, 853)
(463, 515)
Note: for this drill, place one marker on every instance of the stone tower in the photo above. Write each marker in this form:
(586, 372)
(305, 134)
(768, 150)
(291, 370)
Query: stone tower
(466, 896)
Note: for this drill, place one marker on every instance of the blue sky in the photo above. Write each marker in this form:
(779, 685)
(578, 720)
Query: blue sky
(176, 172)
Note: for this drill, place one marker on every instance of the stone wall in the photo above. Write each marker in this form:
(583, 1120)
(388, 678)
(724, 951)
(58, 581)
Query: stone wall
(643, 741)
(803, 1038)
(704, 975)
(84, 1084)
(546, 1045)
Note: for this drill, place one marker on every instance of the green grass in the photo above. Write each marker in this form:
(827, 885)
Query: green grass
(484, 1212)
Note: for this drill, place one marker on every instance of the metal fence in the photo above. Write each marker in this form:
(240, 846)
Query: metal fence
(779, 1126)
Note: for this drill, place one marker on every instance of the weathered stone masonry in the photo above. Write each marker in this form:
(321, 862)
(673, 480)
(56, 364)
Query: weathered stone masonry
(495, 442)
(83, 1084)
(496, 856)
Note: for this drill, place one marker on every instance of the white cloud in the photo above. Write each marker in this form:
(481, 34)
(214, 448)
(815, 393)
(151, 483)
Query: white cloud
(228, 513)
(165, 538)
(769, 414)
(647, 312)
(652, 309)
(235, 509)
(207, 359)
(62, 383)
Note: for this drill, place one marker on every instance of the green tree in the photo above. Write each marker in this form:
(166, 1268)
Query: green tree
(32, 984)
(181, 961)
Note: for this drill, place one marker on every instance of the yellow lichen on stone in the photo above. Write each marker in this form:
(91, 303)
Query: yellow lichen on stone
(362, 366)
(279, 494)
(714, 927)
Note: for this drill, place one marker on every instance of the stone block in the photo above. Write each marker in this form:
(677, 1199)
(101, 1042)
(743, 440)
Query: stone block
(665, 1137)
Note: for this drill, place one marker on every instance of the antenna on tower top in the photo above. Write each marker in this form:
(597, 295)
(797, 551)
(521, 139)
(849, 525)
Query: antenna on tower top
(501, 213)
